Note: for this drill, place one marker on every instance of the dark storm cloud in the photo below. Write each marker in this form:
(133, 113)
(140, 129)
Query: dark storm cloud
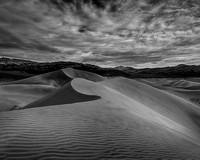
(19, 26)
(8, 39)
(150, 32)
(187, 42)
(121, 57)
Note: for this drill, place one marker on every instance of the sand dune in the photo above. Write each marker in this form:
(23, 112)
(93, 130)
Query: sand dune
(56, 78)
(186, 84)
(90, 130)
(188, 89)
(73, 73)
(173, 107)
(91, 117)
(189, 83)
(192, 96)
(19, 93)
(65, 95)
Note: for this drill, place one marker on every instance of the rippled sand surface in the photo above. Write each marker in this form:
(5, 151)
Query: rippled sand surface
(89, 117)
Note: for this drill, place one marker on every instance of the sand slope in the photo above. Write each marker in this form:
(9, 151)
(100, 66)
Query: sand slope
(89, 130)
(169, 105)
(188, 89)
(65, 95)
(91, 117)
(189, 83)
(56, 78)
(74, 73)
(19, 93)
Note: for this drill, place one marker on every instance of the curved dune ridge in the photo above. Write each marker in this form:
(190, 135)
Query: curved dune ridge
(19, 93)
(190, 83)
(91, 117)
(188, 89)
(73, 73)
(186, 84)
(56, 78)
(171, 106)
(65, 95)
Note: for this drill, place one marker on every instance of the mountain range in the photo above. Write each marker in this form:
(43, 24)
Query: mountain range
(29, 68)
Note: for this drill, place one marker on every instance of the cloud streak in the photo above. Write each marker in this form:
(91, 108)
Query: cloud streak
(108, 33)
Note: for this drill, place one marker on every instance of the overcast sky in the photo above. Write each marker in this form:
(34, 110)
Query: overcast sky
(132, 33)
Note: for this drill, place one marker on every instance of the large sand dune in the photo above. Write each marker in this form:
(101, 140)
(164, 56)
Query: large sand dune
(90, 117)
(19, 93)
(65, 95)
(56, 78)
(188, 88)
(73, 73)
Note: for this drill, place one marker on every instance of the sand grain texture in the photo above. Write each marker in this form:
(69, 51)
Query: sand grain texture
(91, 117)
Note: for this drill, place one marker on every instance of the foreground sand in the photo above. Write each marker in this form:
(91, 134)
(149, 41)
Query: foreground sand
(73, 114)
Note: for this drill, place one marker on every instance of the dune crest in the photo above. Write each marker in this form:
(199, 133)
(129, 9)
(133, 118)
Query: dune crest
(56, 79)
(91, 117)
(74, 73)
(147, 102)
(65, 95)
(17, 94)
(176, 108)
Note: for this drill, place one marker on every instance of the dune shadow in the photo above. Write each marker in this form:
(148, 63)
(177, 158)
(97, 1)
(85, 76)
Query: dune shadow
(65, 95)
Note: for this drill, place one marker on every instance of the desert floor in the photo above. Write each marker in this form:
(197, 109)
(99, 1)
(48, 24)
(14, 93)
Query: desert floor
(72, 114)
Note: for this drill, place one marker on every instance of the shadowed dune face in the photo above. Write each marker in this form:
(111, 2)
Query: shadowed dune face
(91, 117)
(65, 95)
(19, 93)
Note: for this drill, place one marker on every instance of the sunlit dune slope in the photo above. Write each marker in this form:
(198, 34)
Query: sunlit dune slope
(192, 96)
(140, 99)
(91, 117)
(169, 105)
(88, 130)
(188, 89)
(73, 73)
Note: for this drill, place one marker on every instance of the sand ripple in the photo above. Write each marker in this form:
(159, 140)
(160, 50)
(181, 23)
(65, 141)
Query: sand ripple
(85, 116)
(87, 131)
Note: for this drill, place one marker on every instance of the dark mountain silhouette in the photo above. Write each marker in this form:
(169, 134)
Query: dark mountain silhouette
(18, 69)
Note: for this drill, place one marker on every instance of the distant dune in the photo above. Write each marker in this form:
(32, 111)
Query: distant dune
(72, 114)
(188, 88)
